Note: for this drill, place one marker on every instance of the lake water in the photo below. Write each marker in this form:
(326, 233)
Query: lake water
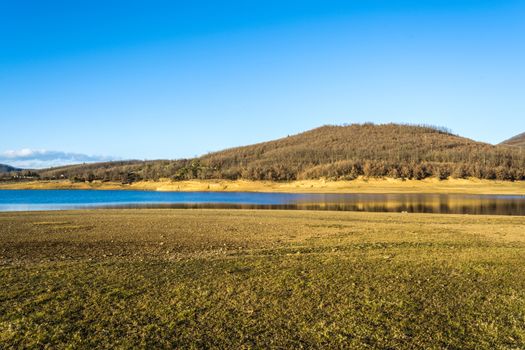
(21, 200)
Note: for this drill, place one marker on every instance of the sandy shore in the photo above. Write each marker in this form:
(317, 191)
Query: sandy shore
(361, 185)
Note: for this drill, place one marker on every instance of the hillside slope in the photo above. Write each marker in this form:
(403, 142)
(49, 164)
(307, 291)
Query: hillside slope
(4, 168)
(335, 152)
(371, 150)
(518, 140)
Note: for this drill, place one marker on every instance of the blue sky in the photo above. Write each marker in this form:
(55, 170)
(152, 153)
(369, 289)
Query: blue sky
(89, 80)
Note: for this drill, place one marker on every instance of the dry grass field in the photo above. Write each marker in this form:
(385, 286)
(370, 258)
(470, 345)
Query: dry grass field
(261, 279)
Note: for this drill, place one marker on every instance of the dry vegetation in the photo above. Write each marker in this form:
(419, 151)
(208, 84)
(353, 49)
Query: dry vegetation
(518, 141)
(331, 152)
(261, 279)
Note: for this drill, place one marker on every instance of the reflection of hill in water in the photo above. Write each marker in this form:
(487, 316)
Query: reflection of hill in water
(424, 203)
(442, 205)
(412, 203)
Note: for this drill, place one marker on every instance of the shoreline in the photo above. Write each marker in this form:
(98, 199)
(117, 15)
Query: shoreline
(360, 185)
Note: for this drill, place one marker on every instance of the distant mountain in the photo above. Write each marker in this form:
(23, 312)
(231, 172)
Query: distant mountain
(518, 140)
(7, 168)
(333, 152)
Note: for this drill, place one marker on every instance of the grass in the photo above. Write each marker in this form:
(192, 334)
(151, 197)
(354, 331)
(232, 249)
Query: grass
(261, 279)
(360, 185)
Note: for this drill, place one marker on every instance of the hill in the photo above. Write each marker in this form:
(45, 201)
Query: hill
(4, 168)
(335, 152)
(518, 140)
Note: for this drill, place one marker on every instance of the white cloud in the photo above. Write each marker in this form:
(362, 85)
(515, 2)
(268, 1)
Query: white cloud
(37, 159)
(26, 152)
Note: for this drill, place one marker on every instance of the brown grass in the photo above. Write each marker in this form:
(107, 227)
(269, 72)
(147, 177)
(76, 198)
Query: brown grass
(261, 279)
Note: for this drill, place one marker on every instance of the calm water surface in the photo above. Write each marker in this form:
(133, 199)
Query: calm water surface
(21, 200)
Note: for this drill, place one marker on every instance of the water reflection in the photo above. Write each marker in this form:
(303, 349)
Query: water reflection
(16, 200)
(423, 203)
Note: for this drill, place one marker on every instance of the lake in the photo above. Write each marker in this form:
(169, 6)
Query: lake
(22, 200)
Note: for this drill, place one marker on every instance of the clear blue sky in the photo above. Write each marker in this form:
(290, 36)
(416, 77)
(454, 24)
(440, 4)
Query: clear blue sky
(170, 79)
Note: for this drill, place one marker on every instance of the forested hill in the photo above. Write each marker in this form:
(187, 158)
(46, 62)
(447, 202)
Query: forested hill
(7, 168)
(518, 140)
(344, 152)
(334, 152)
